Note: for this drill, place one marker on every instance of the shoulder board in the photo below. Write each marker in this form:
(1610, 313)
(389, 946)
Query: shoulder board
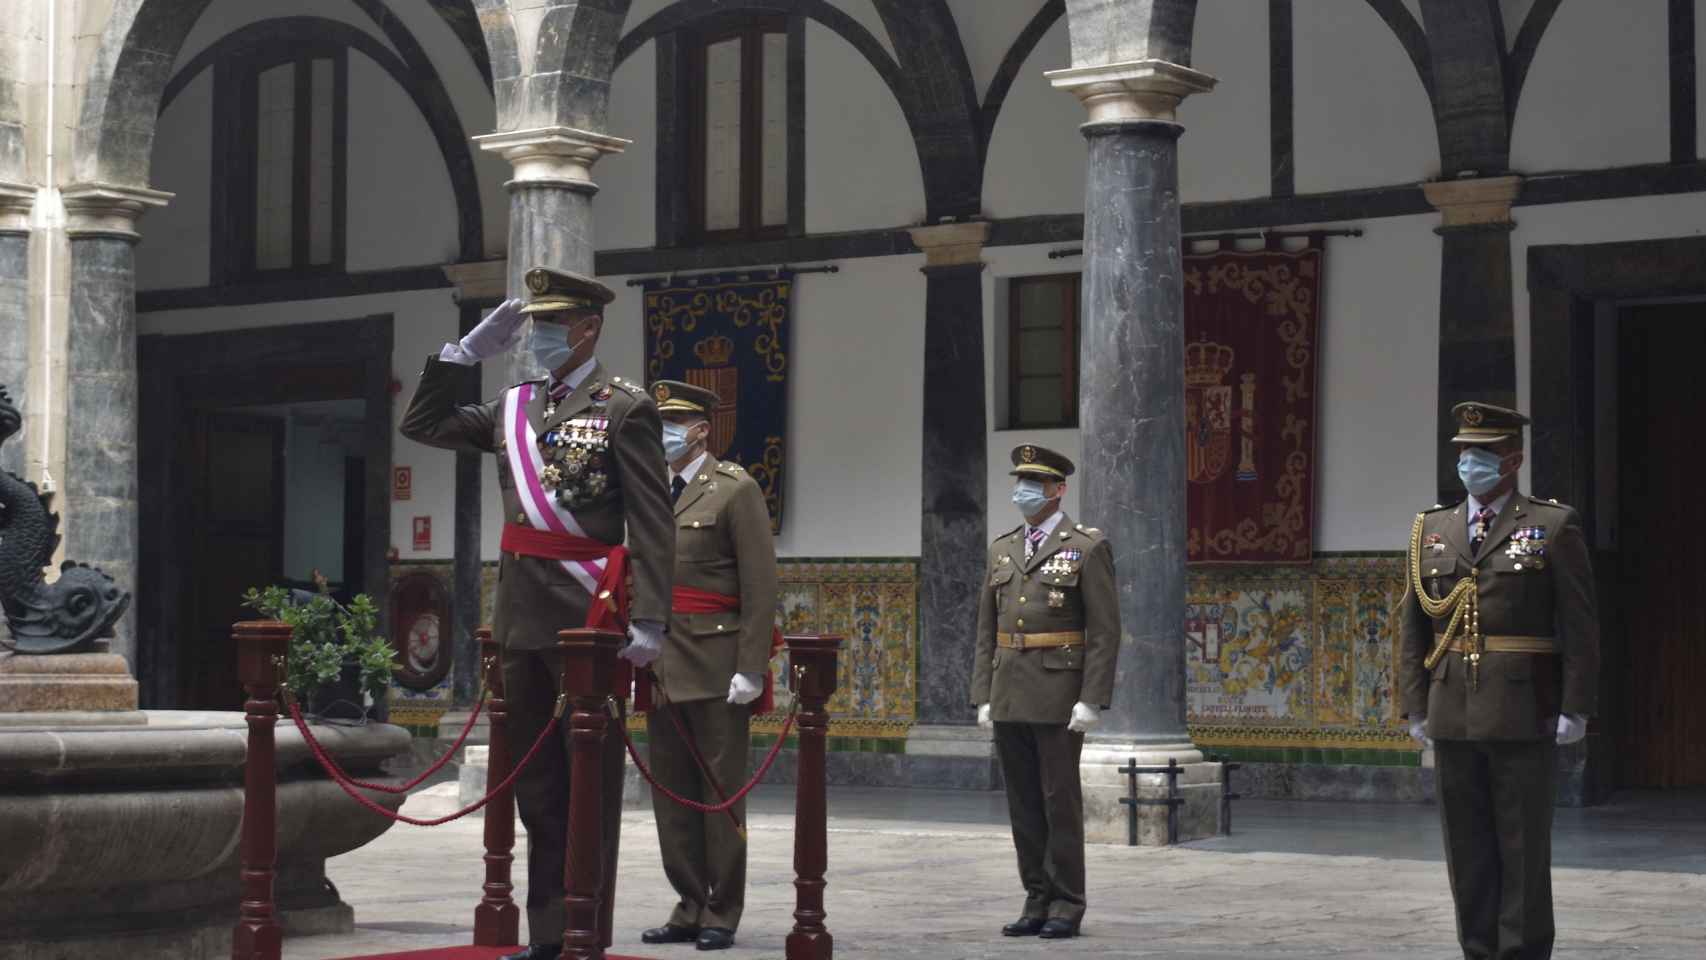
(628, 385)
(1440, 506)
(1544, 502)
(1012, 533)
(538, 382)
(732, 469)
(1087, 531)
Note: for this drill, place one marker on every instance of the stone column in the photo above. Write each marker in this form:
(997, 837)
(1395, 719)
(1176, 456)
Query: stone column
(550, 206)
(15, 203)
(947, 748)
(1477, 327)
(99, 502)
(1131, 414)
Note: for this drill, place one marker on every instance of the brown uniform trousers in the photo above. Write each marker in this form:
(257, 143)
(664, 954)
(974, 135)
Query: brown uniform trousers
(723, 546)
(536, 597)
(1494, 739)
(1067, 586)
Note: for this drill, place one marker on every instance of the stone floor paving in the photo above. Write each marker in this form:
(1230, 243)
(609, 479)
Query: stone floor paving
(930, 874)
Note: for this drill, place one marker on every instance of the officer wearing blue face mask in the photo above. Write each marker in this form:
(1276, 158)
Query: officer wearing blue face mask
(1048, 632)
(1499, 661)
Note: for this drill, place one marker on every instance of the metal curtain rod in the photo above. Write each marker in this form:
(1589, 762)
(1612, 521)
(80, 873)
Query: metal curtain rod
(1248, 235)
(773, 271)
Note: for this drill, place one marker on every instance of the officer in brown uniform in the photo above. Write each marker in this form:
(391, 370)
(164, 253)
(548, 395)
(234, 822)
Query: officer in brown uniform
(1500, 660)
(1048, 633)
(713, 673)
(581, 468)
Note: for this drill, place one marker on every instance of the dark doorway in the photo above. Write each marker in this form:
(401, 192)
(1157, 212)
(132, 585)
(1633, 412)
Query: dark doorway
(1659, 661)
(265, 457)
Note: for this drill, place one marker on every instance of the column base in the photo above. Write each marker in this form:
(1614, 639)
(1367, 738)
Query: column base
(1107, 820)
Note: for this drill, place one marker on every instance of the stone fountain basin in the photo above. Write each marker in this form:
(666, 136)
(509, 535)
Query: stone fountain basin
(129, 836)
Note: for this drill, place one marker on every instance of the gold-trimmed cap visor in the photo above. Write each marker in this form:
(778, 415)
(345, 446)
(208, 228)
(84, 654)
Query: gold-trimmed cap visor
(1479, 422)
(677, 396)
(1030, 460)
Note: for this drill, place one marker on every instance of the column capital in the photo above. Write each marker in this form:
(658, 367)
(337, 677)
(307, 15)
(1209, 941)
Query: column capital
(1132, 90)
(108, 209)
(16, 199)
(479, 280)
(951, 244)
(552, 154)
(1479, 202)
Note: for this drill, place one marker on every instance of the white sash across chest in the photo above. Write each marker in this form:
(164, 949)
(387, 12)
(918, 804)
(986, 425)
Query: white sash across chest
(526, 464)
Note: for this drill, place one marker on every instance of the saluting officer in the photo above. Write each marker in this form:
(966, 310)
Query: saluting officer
(713, 673)
(1048, 633)
(1500, 660)
(580, 467)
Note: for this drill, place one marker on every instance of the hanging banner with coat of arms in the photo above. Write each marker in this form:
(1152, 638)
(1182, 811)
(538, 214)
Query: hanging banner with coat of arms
(1252, 319)
(729, 334)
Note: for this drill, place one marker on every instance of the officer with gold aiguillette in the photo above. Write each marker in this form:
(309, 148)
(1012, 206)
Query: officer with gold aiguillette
(1048, 633)
(1499, 661)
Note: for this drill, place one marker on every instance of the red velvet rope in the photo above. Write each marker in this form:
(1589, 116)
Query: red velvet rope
(405, 788)
(342, 779)
(763, 768)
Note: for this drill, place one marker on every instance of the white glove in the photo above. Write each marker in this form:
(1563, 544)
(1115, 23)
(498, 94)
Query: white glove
(983, 718)
(1419, 731)
(1084, 717)
(645, 643)
(1572, 728)
(499, 331)
(745, 687)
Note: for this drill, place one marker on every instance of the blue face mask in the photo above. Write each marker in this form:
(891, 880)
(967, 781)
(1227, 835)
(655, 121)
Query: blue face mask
(550, 345)
(675, 442)
(1480, 470)
(1029, 498)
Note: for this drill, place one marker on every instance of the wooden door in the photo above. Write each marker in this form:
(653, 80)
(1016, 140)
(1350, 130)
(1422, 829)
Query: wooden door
(236, 532)
(1661, 515)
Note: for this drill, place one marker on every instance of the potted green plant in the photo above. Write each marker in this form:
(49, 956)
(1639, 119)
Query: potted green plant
(338, 663)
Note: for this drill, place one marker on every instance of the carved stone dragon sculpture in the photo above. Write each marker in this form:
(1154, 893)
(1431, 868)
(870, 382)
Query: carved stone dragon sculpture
(65, 616)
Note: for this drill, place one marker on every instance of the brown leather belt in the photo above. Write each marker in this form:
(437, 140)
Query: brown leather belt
(1546, 646)
(1031, 641)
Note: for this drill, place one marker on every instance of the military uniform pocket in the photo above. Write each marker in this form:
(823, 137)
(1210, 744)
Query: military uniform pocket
(696, 537)
(1063, 658)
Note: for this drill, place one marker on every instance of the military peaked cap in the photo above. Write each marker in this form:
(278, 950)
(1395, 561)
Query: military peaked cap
(551, 291)
(674, 396)
(1030, 460)
(1479, 422)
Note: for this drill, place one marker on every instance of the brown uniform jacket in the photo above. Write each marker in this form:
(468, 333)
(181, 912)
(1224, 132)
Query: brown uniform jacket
(1068, 586)
(536, 597)
(1521, 593)
(723, 546)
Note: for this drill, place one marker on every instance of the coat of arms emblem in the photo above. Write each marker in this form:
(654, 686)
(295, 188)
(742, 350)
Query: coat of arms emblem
(1208, 411)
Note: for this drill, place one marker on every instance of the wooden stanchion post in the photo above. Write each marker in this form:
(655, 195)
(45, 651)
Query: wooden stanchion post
(497, 920)
(812, 674)
(589, 661)
(261, 650)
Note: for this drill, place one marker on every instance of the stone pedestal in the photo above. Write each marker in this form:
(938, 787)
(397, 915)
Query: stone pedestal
(1107, 820)
(71, 689)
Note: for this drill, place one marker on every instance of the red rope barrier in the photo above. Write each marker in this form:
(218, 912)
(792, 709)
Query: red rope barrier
(340, 778)
(439, 765)
(763, 768)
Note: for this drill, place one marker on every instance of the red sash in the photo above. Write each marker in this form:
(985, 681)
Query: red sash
(608, 608)
(689, 600)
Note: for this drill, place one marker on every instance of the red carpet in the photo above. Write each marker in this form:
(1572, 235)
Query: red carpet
(463, 953)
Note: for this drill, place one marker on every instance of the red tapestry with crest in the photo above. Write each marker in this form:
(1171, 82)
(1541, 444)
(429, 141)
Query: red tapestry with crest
(1252, 319)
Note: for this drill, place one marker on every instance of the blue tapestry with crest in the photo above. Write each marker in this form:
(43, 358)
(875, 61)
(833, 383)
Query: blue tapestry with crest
(728, 333)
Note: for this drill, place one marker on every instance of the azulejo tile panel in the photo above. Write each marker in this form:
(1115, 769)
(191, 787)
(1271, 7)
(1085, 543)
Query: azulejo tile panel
(1295, 657)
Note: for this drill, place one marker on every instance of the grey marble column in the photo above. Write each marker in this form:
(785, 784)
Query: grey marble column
(954, 536)
(14, 336)
(1131, 413)
(99, 502)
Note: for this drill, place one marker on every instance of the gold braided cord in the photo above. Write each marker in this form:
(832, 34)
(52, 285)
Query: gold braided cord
(1460, 604)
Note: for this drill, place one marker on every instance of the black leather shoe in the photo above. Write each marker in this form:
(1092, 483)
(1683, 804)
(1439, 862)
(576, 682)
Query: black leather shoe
(536, 951)
(1058, 929)
(716, 938)
(670, 933)
(1024, 927)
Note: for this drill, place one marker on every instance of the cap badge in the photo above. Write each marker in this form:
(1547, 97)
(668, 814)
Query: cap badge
(538, 281)
(1473, 416)
(1028, 454)
(661, 392)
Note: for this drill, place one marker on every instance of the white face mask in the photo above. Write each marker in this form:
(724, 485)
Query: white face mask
(675, 441)
(1029, 497)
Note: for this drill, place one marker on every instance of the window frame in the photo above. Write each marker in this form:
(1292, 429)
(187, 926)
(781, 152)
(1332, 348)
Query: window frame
(1070, 286)
(751, 31)
(237, 146)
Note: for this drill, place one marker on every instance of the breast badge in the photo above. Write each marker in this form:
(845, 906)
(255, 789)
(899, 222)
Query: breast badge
(1434, 542)
(1064, 563)
(577, 460)
(1528, 548)
(1056, 599)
